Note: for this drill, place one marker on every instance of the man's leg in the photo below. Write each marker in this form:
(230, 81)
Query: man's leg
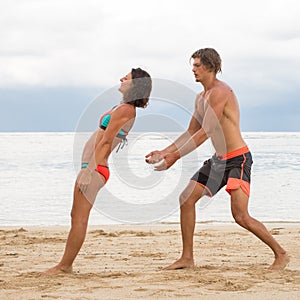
(191, 194)
(239, 209)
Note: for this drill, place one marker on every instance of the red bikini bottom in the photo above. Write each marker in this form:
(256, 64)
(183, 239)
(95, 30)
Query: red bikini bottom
(104, 171)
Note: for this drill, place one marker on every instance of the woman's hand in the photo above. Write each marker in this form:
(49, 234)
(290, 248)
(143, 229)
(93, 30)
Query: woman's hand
(84, 179)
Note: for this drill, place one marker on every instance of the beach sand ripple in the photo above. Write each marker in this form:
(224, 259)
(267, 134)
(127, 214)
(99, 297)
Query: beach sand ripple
(124, 262)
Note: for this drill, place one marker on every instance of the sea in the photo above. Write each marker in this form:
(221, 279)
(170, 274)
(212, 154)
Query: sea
(38, 172)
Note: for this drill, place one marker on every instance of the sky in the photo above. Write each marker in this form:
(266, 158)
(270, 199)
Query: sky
(60, 57)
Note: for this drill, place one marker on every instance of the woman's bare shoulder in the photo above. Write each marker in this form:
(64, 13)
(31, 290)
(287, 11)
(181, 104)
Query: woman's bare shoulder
(124, 109)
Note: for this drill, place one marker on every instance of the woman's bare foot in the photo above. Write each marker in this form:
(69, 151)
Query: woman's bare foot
(280, 262)
(57, 270)
(181, 264)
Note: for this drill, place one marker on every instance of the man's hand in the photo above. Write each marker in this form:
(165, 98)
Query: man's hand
(169, 159)
(84, 179)
(154, 157)
(162, 160)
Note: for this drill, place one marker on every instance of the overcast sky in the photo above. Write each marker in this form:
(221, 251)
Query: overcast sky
(73, 50)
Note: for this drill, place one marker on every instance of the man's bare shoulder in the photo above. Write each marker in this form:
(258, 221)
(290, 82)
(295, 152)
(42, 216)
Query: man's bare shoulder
(222, 87)
(220, 91)
(199, 95)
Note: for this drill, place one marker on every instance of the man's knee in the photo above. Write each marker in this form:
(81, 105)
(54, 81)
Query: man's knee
(185, 200)
(242, 219)
(239, 208)
(189, 197)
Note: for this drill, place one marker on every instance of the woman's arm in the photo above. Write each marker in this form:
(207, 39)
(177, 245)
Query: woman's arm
(119, 118)
(104, 143)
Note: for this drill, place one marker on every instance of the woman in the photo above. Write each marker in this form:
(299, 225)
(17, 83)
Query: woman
(114, 127)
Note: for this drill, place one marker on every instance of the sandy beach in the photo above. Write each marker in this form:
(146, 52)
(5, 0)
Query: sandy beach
(125, 261)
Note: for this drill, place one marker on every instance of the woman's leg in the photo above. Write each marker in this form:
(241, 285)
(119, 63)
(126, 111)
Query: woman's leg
(82, 205)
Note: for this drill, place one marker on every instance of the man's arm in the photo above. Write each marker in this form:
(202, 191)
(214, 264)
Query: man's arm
(194, 126)
(211, 121)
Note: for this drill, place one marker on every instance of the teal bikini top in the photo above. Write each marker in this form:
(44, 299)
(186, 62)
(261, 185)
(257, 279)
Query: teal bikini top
(122, 134)
(104, 121)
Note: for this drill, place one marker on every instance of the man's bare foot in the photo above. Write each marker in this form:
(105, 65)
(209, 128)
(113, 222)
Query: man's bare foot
(57, 270)
(181, 264)
(280, 262)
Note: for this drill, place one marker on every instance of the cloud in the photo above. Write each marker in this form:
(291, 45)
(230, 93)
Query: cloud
(93, 43)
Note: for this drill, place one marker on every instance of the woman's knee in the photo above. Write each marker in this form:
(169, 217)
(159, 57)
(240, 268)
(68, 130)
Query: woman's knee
(79, 219)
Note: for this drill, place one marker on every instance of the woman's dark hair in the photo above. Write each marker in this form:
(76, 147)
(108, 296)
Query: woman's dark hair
(139, 93)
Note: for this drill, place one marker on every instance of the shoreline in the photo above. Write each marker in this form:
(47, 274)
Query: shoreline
(208, 222)
(125, 261)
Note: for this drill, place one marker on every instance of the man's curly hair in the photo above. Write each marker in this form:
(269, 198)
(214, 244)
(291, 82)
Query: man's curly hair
(210, 58)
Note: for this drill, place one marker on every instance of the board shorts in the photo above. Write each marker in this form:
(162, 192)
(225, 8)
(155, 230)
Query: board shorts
(232, 169)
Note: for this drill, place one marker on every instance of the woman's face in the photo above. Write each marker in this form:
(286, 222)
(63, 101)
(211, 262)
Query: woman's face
(126, 82)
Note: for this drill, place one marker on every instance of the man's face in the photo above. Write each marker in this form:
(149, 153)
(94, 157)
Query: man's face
(198, 69)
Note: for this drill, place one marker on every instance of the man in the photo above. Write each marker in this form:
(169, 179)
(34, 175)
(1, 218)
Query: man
(216, 116)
